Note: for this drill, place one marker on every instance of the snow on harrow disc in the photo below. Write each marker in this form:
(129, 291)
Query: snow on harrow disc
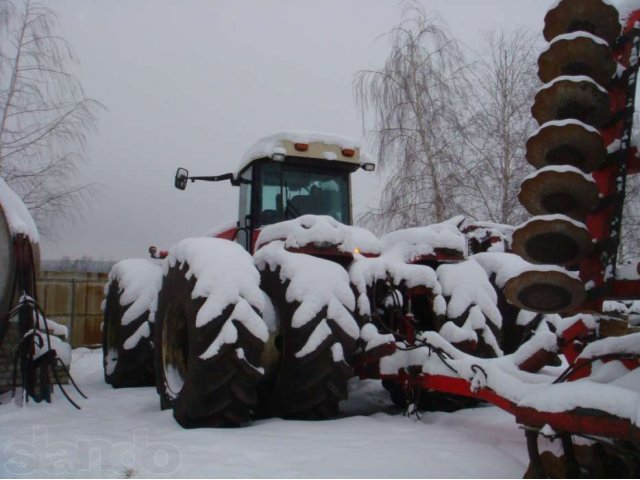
(546, 290)
(577, 53)
(564, 190)
(577, 97)
(552, 239)
(566, 142)
(594, 16)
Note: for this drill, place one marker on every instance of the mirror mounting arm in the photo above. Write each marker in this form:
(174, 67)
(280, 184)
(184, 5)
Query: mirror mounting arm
(217, 178)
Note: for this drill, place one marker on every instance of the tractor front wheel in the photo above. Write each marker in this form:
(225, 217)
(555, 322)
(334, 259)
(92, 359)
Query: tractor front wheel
(125, 364)
(204, 391)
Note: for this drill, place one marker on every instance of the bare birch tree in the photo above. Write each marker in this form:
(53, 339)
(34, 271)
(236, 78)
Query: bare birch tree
(629, 248)
(504, 84)
(415, 102)
(44, 115)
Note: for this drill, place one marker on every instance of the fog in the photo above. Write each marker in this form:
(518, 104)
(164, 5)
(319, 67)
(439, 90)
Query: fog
(195, 83)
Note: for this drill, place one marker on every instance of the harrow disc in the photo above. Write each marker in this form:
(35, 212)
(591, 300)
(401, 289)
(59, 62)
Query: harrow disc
(556, 190)
(572, 97)
(593, 16)
(552, 240)
(545, 291)
(581, 55)
(566, 142)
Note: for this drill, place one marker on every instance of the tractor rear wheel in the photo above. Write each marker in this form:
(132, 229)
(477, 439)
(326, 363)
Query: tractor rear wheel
(308, 385)
(125, 367)
(216, 391)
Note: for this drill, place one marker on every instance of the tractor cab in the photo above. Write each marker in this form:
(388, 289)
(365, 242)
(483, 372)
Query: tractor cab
(288, 175)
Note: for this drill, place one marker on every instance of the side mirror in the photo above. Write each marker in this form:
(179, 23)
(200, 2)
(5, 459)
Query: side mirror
(182, 176)
(368, 167)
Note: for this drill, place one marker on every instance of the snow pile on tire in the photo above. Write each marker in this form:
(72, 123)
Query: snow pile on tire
(315, 284)
(139, 281)
(225, 275)
(129, 307)
(471, 305)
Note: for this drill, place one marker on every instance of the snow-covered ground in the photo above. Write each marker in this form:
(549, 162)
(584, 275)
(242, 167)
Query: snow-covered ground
(123, 433)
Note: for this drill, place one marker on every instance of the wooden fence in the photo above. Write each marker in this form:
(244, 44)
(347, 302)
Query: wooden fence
(74, 298)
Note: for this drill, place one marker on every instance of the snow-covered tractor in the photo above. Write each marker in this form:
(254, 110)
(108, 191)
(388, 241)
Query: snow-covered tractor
(270, 315)
(234, 334)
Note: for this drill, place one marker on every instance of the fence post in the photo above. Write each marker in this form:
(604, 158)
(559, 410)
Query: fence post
(72, 321)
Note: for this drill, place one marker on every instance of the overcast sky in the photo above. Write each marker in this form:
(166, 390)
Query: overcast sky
(194, 83)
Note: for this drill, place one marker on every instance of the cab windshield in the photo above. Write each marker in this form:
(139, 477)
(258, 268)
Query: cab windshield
(290, 191)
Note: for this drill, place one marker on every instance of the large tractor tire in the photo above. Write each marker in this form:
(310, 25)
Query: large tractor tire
(307, 385)
(217, 391)
(125, 367)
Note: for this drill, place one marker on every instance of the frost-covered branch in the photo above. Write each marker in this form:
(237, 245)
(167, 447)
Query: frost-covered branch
(45, 118)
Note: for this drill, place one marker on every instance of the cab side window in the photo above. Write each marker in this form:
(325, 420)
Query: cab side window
(271, 210)
(244, 212)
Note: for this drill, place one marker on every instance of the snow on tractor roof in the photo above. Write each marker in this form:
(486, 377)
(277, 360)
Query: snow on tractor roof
(18, 218)
(321, 146)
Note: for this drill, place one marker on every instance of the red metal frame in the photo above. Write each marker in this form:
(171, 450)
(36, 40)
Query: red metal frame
(599, 223)
(583, 421)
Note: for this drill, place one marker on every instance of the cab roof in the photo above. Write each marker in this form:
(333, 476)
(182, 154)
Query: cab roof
(324, 147)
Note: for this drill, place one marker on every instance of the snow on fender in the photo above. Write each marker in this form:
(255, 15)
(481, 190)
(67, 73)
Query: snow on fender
(321, 231)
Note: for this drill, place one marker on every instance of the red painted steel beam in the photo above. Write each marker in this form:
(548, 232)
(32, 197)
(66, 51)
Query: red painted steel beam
(587, 422)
